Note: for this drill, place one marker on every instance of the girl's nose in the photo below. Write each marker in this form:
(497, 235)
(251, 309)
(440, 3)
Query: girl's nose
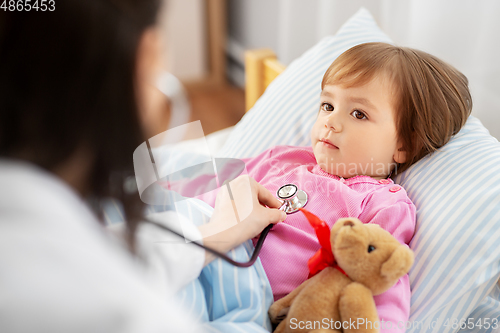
(333, 122)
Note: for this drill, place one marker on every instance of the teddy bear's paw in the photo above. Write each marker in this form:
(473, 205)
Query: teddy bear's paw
(277, 313)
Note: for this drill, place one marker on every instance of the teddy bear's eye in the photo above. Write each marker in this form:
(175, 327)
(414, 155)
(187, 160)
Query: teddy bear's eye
(371, 248)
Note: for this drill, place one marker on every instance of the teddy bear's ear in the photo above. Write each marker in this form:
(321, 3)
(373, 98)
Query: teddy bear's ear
(398, 264)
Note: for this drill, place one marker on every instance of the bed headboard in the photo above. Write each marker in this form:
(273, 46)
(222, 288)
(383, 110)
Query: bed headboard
(261, 68)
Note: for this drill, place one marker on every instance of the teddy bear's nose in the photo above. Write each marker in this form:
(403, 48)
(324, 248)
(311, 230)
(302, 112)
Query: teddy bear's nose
(348, 223)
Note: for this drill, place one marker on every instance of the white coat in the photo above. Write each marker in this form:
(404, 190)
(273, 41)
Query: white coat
(61, 271)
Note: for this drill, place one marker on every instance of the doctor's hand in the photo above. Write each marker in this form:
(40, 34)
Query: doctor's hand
(240, 214)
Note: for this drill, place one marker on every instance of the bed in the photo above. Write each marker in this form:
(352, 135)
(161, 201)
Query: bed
(455, 278)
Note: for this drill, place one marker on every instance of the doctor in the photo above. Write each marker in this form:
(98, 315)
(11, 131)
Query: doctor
(75, 99)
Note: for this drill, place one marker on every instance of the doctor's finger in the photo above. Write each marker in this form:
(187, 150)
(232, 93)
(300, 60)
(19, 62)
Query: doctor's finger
(266, 197)
(271, 215)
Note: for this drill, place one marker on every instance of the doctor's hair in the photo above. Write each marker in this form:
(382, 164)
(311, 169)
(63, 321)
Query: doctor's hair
(67, 83)
(431, 98)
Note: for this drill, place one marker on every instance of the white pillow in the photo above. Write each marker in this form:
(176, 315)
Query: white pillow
(456, 190)
(457, 241)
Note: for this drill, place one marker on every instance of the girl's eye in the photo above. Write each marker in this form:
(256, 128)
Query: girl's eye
(326, 107)
(359, 115)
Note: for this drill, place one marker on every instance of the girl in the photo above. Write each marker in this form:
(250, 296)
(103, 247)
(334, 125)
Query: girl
(382, 109)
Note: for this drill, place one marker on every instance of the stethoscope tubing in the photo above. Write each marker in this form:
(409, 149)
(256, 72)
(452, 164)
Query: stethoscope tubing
(258, 245)
(223, 256)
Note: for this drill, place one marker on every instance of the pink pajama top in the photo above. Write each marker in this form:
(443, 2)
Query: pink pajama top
(291, 243)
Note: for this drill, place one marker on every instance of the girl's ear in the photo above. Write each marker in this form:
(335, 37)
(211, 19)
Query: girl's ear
(400, 155)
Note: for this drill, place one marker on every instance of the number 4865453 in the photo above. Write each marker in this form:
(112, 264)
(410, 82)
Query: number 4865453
(28, 5)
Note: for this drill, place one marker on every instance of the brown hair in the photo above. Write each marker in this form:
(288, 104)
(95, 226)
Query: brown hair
(432, 98)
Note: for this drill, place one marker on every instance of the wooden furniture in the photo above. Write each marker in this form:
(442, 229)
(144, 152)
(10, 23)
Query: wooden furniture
(261, 68)
(216, 17)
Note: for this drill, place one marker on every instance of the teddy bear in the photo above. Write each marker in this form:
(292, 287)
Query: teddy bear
(339, 298)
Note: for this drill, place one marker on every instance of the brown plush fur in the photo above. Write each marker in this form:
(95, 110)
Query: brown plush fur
(331, 297)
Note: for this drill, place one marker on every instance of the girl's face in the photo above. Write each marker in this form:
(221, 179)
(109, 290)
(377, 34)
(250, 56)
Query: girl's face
(355, 132)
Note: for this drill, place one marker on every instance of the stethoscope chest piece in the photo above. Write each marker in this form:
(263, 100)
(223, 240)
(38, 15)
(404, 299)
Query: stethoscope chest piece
(292, 198)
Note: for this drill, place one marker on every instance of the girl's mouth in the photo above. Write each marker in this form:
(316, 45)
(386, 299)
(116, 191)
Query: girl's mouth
(328, 144)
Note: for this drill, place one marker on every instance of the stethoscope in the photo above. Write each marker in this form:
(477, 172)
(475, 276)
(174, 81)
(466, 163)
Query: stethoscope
(291, 198)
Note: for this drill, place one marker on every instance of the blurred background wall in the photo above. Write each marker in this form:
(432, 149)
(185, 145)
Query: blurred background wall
(195, 34)
(206, 40)
(185, 23)
(464, 33)
(195, 38)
